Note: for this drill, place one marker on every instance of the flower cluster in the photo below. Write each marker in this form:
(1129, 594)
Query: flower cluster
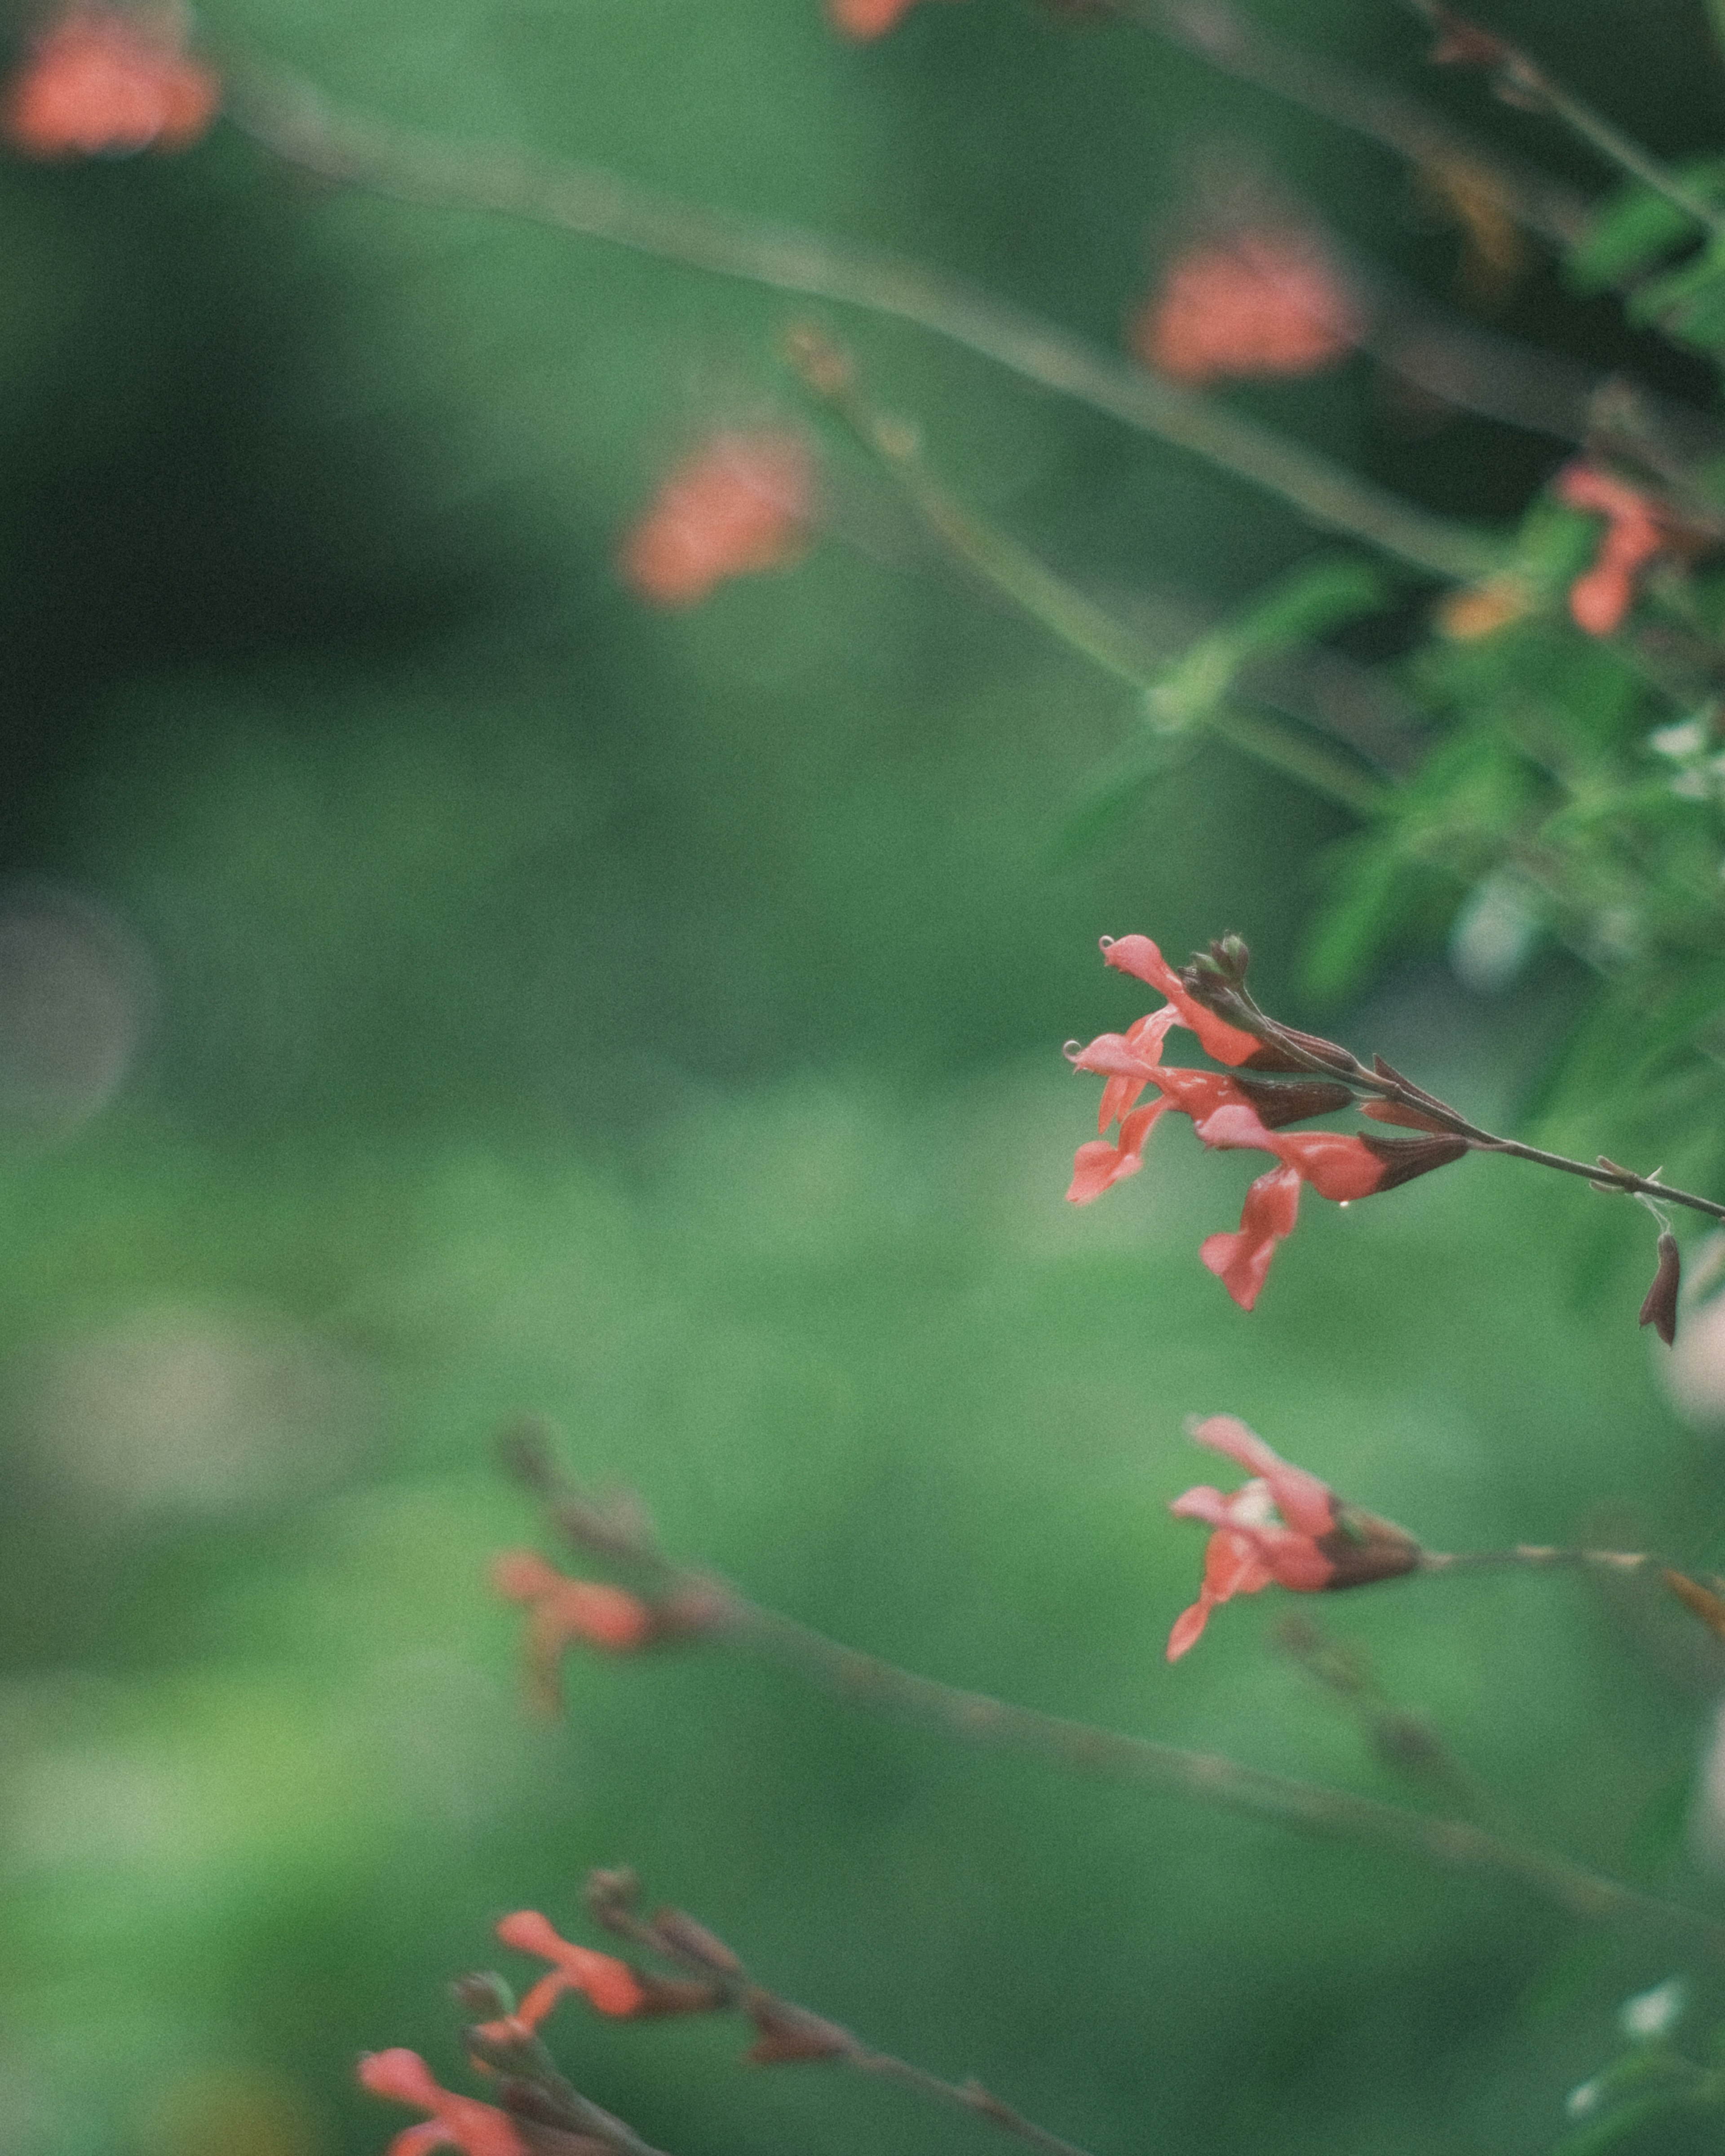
(1259, 303)
(101, 82)
(1284, 1528)
(741, 503)
(1231, 1113)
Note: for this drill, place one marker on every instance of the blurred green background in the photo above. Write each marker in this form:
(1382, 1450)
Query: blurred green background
(437, 987)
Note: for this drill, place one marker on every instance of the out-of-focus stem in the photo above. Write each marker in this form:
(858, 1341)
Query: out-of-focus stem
(1217, 33)
(1457, 1844)
(743, 1993)
(292, 121)
(1526, 82)
(1065, 612)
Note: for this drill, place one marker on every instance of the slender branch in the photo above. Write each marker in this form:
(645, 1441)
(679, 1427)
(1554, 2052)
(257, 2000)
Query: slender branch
(689, 1946)
(1238, 47)
(1219, 983)
(1522, 81)
(291, 120)
(1064, 611)
(540, 2091)
(1456, 1845)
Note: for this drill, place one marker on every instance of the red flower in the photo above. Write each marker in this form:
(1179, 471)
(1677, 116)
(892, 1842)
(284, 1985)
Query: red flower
(866, 19)
(609, 1984)
(1241, 1262)
(460, 2122)
(740, 504)
(1268, 302)
(100, 82)
(1230, 1112)
(1635, 533)
(1285, 1528)
(561, 1610)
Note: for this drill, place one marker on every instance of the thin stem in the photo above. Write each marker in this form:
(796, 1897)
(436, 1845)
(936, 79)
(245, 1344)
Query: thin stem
(293, 123)
(1383, 1082)
(744, 1994)
(1525, 82)
(1239, 47)
(521, 2056)
(976, 1717)
(1065, 612)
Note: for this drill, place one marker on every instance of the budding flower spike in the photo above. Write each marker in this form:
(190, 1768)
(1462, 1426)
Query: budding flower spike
(1283, 1528)
(108, 82)
(456, 2122)
(561, 1611)
(742, 503)
(1259, 303)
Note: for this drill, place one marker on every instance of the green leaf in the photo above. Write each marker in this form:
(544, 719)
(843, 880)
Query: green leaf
(1636, 228)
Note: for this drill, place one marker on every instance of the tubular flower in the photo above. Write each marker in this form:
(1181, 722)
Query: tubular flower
(1268, 302)
(1284, 1528)
(457, 2121)
(1635, 534)
(560, 1610)
(99, 82)
(607, 1984)
(1230, 1111)
(740, 504)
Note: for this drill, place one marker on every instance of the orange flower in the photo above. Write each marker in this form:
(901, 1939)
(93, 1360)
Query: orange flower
(866, 19)
(1285, 1528)
(609, 1984)
(742, 503)
(98, 82)
(1635, 532)
(1267, 302)
(561, 1610)
(1241, 1262)
(459, 2121)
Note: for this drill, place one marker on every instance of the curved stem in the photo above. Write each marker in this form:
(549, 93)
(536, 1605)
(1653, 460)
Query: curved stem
(976, 1717)
(293, 122)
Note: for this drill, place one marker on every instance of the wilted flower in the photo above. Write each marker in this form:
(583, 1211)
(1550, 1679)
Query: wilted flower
(741, 503)
(457, 2121)
(561, 1610)
(99, 81)
(1261, 302)
(1284, 1528)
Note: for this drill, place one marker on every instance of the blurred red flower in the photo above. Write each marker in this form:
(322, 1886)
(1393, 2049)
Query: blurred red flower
(741, 503)
(561, 1611)
(866, 19)
(97, 82)
(609, 1984)
(1284, 1528)
(1635, 533)
(1261, 302)
(457, 2122)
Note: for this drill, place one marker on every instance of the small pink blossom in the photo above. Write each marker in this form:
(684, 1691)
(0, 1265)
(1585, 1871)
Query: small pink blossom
(1635, 534)
(107, 82)
(1268, 302)
(1285, 1528)
(456, 2122)
(561, 1611)
(1241, 1261)
(607, 1984)
(863, 19)
(742, 503)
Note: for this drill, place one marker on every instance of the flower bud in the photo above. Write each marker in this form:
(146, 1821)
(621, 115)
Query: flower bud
(1659, 1309)
(1403, 1158)
(684, 1938)
(483, 1997)
(611, 1897)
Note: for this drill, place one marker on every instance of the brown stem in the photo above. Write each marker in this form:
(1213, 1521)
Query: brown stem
(1457, 1844)
(1236, 47)
(1525, 82)
(826, 2039)
(293, 122)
